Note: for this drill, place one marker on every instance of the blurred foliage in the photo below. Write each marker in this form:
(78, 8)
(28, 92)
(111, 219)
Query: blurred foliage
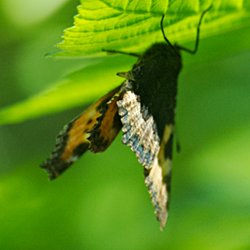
(101, 202)
(76, 89)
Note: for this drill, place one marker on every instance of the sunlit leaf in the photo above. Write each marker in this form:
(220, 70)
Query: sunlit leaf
(123, 25)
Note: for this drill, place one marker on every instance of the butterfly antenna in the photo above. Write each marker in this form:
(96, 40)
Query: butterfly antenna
(165, 37)
(193, 51)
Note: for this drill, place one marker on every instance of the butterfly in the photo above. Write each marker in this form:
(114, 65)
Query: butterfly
(143, 108)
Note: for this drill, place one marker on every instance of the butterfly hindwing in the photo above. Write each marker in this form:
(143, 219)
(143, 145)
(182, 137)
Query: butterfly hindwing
(154, 153)
(94, 129)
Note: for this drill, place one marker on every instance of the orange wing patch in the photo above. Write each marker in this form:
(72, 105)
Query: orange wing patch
(79, 132)
(107, 128)
(94, 129)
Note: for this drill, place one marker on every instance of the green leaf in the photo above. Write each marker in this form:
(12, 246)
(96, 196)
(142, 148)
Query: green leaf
(133, 25)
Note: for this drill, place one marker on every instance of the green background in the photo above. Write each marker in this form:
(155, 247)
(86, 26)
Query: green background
(101, 202)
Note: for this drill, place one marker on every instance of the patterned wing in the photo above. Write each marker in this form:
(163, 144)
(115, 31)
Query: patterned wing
(154, 153)
(94, 129)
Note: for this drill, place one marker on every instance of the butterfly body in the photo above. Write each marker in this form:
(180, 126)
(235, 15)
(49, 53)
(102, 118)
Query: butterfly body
(155, 79)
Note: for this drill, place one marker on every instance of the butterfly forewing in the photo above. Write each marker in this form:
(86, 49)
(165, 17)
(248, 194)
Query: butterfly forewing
(141, 135)
(94, 129)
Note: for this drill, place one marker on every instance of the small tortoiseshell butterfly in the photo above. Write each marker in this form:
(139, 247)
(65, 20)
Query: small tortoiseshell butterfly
(143, 107)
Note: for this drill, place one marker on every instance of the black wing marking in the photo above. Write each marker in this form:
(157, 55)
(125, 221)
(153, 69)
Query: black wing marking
(94, 129)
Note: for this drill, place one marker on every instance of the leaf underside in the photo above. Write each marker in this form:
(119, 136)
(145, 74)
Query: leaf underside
(123, 25)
